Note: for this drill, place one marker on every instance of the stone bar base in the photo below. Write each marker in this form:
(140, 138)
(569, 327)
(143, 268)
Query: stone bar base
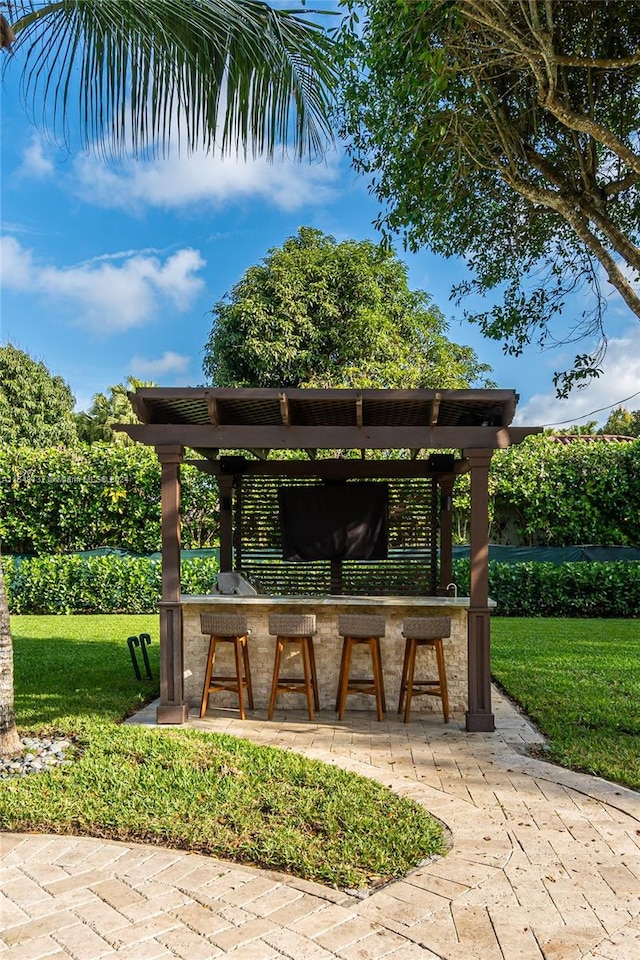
(328, 648)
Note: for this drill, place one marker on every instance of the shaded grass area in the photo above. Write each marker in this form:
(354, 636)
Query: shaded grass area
(579, 681)
(182, 788)
(69, 668)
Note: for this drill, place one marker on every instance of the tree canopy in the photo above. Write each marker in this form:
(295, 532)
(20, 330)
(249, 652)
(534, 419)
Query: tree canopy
(506, 132)
(318, 313)
(234, 74)
(97, 422)
(623, 423)
(36, 408)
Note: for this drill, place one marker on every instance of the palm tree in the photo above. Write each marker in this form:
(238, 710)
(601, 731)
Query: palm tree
(233, 75)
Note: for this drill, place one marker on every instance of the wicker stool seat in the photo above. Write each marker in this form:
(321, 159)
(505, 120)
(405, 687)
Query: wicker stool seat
(227, 628)
(424, 632)
(356, 630)
(297, 629)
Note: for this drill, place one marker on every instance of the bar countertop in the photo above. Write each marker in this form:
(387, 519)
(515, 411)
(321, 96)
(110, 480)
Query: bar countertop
(327, 601)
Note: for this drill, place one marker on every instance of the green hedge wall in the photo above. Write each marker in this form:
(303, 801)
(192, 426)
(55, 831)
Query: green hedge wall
(60, 501)
(582, 589)
(113, 584)
(110, 584)
(542, 493)
(546, 493)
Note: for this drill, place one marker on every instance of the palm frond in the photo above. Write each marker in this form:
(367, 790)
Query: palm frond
(146, 75)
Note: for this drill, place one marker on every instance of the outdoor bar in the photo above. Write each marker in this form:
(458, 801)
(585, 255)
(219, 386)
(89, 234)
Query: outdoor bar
(271, 527)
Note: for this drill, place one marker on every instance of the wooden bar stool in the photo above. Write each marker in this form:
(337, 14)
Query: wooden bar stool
(358, 629)
(227, 628)
(298, 629)
(424, 632)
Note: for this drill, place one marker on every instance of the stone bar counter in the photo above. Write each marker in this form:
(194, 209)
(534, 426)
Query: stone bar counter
(328, 648)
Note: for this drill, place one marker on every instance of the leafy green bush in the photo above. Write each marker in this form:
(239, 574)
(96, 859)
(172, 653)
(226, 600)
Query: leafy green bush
(63, 500)
(582, 589)
(546, 493)
(110, 584)
(540, 493)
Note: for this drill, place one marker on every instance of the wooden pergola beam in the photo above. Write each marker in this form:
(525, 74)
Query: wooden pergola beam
(335, 469)
(214, 411)
(246, 437)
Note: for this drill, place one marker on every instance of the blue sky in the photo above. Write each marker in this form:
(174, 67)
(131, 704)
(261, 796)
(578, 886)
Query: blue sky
(110, 270)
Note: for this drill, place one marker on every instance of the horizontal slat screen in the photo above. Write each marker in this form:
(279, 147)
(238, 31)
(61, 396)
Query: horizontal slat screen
(409, 570)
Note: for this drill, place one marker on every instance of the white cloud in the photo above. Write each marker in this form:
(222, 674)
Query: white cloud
(16, 265)
(169, 362)
(35, 163)
(184, 181)
(620, 380)
(105, 296)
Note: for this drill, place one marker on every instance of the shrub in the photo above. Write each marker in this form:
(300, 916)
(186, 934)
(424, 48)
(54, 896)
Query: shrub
(551, 494)
(581, 589)
(109, 584)
(62, 500)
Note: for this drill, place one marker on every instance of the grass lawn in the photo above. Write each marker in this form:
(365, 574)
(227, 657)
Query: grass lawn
(211, 794)
(579, 680)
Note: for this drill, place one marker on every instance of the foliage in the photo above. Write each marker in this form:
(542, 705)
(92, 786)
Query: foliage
(555, 494)
(506, 134)
(318, 313)
(57, 501)
(217, 795)
(150, 73)
(542, 493)
(622, 423)
(97, 422)
(581, 589)
(99, 584)
(36, 408)
(580, 683)
(123, 584)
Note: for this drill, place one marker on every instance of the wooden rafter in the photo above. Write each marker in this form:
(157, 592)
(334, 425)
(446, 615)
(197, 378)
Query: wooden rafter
(214, 411)
(285, 410)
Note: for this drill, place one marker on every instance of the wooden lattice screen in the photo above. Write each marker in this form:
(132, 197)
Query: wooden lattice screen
(409, 570)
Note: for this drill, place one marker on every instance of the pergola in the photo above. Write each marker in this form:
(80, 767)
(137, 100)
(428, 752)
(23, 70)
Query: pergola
(468, 424)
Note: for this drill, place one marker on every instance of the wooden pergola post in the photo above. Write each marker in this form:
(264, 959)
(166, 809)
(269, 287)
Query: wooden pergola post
(446, 533)
(172, 707)
(225, 486)
(479, 715)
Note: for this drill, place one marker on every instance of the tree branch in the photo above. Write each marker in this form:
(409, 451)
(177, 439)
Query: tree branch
(554, 201)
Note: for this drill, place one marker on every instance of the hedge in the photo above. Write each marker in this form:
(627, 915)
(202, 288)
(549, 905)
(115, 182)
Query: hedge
(546, 493)
(114, 584)
(541, 493)
(582, 589)
(108, 584)
(62, 501)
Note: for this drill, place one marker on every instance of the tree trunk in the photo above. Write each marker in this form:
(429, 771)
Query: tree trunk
(9, 740)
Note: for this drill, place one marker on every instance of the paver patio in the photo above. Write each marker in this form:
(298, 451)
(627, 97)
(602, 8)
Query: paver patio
(544, 863)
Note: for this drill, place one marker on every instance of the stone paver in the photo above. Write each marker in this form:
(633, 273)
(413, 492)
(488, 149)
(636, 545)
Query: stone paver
(544, 865)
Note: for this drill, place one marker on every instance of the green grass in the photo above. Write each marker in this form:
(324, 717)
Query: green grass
(579, 680)
(213, 794)
(71, 669)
